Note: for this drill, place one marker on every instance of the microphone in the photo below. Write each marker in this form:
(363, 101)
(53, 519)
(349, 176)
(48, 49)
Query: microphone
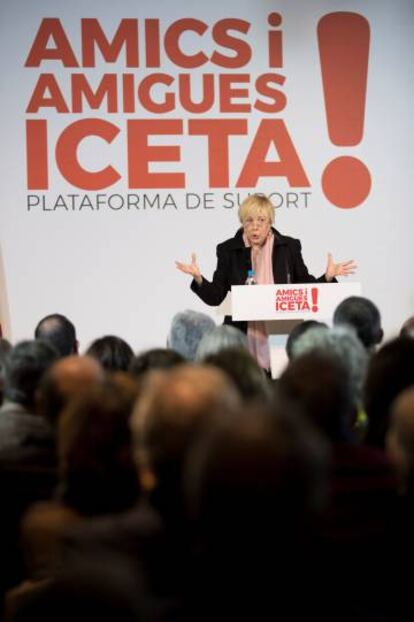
(287, 268)
(247, 256)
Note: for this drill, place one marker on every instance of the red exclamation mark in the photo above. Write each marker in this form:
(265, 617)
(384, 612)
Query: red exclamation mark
(343, 40)
(314, 294)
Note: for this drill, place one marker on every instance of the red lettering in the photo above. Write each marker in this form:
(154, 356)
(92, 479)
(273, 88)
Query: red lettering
(207, 101)
(128, 92)
(126, 34)
(272, 132)
(40, 99)
(106, 88)
(224, 34)
(228, 91)
(277, 98)
(152, 42)
(144, 93)
(218, 132)
(66, 154)
(51, 28)
(243, 52)
(140, 154)
(171, 43)
(37, 155)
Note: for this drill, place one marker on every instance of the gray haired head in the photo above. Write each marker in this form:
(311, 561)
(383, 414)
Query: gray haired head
(220, 338)
(343, 343)
(187, 329)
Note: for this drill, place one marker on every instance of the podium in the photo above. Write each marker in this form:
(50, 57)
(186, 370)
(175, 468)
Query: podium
(282, 306)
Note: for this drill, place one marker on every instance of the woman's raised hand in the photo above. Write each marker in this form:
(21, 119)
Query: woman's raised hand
(343, 268)
(191, 268)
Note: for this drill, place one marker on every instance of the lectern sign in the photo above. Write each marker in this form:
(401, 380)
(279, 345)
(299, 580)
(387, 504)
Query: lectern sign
(302, 301)
(297, 299)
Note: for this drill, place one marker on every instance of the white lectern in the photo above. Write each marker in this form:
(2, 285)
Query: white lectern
(283, 306)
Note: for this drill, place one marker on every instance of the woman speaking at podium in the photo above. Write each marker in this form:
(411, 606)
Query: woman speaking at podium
(274, 258)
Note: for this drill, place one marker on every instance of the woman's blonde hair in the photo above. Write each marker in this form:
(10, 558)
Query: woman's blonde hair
(255, 203)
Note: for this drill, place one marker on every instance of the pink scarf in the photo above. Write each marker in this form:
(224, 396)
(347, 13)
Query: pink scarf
(257, 336)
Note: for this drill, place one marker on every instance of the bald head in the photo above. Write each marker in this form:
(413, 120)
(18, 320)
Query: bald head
(173, 406)
(66, 378)
(59, 331)
(73, 373)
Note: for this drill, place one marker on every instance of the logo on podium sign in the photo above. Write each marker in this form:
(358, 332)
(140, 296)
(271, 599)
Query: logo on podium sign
(297, 299)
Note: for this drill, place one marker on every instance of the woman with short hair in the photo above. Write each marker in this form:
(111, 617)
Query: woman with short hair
(275, 258)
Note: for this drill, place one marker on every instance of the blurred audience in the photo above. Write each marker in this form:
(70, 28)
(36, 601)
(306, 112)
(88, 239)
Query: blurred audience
(187, 329)
(113, 353)
(407, 329)
(391, 370)
(244, 371)
(299, 330)
(96, 470)
(157, 358)
(256, 486)
(364, 317)
(5, 348)
(27, 450)
(172, 411)
(181, 483)
(220, 338)
(400, 440)
(59, 331)
(362, 487)
(341, 343)
(65, 379)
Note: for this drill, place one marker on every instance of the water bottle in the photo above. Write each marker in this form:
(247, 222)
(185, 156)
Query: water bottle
(250, 278)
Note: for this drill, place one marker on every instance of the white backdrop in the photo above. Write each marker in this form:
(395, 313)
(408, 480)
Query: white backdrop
(112, 270)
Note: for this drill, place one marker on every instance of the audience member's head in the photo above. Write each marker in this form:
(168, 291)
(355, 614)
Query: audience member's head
(298, 331)
(113, 353)
(173, 407)
(400, 439)
(407, 329)
(98, 474)
(256, 488)
(59, 331)
(342, 343)
(320, 383)
(255, 480)
(244, 371)
(220, 338)
(364, 316)
(65, 379)
(391, 370)
(5, 349)
(96, 588)
(187, 329)
(27, 363)
(156, 358)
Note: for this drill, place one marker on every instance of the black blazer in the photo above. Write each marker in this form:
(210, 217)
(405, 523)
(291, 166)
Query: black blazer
(234, 261)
